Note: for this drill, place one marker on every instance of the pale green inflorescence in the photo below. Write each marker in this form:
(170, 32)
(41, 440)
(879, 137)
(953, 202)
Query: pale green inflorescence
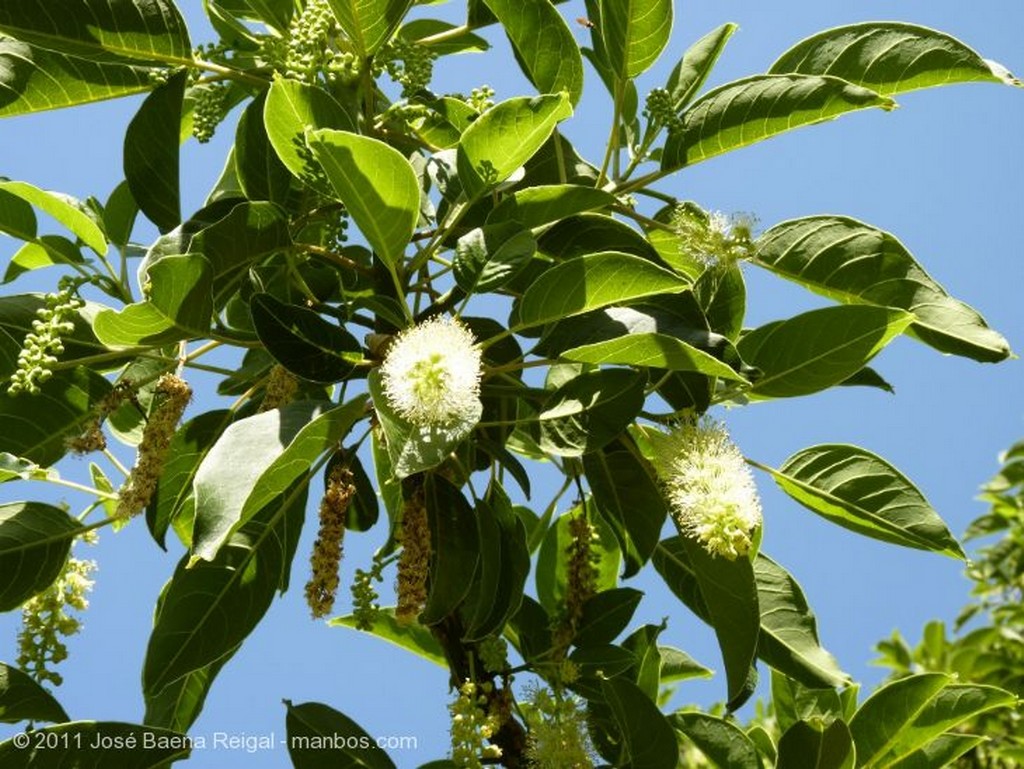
(472, 726)
(558, 732)
(709, 487)
(431, 374)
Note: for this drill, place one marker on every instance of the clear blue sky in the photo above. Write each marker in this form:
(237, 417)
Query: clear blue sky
(945, 173)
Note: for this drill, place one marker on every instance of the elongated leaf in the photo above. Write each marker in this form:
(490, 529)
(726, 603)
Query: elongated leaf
(877, 724)
(695, 66)
(179, 705)
(537, 206)
(853, 262)
(505, 137)
(890, 58)
(35, 539)
(22, 699)
(126, 746)
(260, 172)
(104, 30)
(593, 281)
(590, 410)
(279, 446)
(818, 349)
(377, 185)
(65, 210)
(653, 350)
(813, 746)
(179, 306)
(544, 45)
(45, 251)
(33, 79)
(756, 108)
(941, 752)
(605, 615)
(455, 542)
(320, 736)
(151, 154)
(635, 32)
(789, 634)
(274, 13)
(488, 257)
(721, 741)
(647, 738)
(412, 637)
(369, 23)
(862, 492)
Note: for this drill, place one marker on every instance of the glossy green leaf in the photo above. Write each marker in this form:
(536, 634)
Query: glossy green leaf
(723, 742)
(457, 40)
(377, 185)
(545, 204)
(655, 351)
(455, 545)
(34, 426)
(151, 153)
(793, 702)
(853, 262)
(940, 752)
(878, 723)
(275, 13)
(545, 46)
(505, 137)
(648, 741)
(593, 281)
(551, 574)
(789, 634)
(369, 23)
(103, 30)
(126, 746)
(590, 233)
(260, 171)
(320, 737)
(487, 257)
(64, 209)
(589, 411)
(605, 615)
(22, 699)
(862, 492)
(677, 665)
(819, 349)
(890, 58)
(756, 108)
(45, 251)
(17, 216)
(179, 306)
(179, 705)
(279, 447)
(290, 108)
(811, 746)
(414, 637)
(119, 215)
(722, 295)
(304, 342)
(33, 79)
(635, 32)
(693, 69)
(35, 539)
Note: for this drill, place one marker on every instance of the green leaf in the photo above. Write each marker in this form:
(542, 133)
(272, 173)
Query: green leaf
(756, 108)
(179, 705)
(789, 634)
(723, 742)
(593, 281)
(605, 615)
(793, 702)
(552, 570)
(548, 203)
(35, 539)
(695, 66)
(952, 706)
(33, 79)
(320, 737)
(487, 257)
(180, 306)
(22, 699)
(544, 45)
(377, 185)
(635, 32)
(677, 665)
(862, 492)
(151, 153)
(260, 172)
(291, 106)
(414, 637)
(455, 545)
(940, 752)
(461, 40)
(655, 351)
(45, 251)
(64, 209)
(415, 448)
(588, 233)
(274, 13)
(126, 746)
(119, 215)
(304, 342)
(818, 349)
(849, 261)
(12, 467)
(369, 23)
(505, 137)
(648, 741)
(807, 746)
(890, 58)
(590, 410)
(103, 30)
(17, 217)
(209, 608)
(722, 295)
(34, 426)
(279, 447)
(878, 723)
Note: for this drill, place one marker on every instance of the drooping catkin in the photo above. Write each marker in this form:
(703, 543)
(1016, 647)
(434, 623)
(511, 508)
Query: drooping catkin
(322, 588)
(414, 562)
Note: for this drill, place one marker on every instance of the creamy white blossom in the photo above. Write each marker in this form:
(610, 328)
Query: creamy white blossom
(709, 487)
(431, 373)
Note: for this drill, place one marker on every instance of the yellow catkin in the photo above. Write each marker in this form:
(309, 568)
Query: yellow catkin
(581, 580)
(172, 395)
(414, 563)
(280, 390)
(322, 587)
(92, 438)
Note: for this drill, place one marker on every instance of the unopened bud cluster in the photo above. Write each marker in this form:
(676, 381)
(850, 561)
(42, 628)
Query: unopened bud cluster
(280, 389)
(322, 587)
(473, 725)
(43, 343)
(414, 562)
(307, 51)
(493, 654)
(47, 620)
(209, 109)
(481, 99)
(660, 109)
(409, 64)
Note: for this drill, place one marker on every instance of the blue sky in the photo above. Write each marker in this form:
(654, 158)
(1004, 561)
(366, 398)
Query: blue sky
(945, 173)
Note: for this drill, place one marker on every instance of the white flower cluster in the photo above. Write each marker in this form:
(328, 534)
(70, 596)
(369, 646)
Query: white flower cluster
(431, 374)
(709, 487)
